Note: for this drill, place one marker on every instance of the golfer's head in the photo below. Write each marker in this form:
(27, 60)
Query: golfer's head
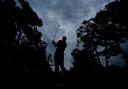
(64, 38)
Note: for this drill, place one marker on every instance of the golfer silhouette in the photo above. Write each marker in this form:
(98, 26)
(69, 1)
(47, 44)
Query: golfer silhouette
(59, 54)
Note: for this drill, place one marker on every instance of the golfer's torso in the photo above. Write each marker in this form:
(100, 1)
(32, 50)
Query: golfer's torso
(61, 47)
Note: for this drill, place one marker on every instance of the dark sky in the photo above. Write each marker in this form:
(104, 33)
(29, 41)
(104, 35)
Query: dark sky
(68, 14)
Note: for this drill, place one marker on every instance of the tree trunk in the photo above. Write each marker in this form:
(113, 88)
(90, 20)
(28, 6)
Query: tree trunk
(106, 58)
(95, 48)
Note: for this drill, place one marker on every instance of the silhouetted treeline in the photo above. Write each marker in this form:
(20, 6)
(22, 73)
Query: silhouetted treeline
(20, 41)
(102, 36)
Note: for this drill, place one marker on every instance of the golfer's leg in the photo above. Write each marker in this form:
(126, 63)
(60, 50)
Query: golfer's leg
(62, 64)
(56, 65)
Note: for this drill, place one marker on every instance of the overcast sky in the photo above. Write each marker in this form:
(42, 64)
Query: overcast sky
(68, 14)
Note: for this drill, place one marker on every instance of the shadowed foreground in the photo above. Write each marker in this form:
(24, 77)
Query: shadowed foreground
(69, 79)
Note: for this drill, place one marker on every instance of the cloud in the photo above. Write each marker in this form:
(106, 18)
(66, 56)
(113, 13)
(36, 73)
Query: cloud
(68, 13)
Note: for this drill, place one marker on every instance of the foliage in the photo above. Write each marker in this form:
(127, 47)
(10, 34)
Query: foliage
(107, 30)
(20, 41)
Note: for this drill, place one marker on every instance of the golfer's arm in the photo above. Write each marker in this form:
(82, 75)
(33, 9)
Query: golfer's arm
(54, 44)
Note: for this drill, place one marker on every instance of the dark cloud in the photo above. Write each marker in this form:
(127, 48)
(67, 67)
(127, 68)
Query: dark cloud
(68, 13)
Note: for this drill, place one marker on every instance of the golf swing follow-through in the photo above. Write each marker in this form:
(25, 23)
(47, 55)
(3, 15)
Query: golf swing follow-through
(59, 53)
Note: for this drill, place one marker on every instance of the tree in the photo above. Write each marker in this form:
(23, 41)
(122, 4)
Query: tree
(107, 30)
(20, 41)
